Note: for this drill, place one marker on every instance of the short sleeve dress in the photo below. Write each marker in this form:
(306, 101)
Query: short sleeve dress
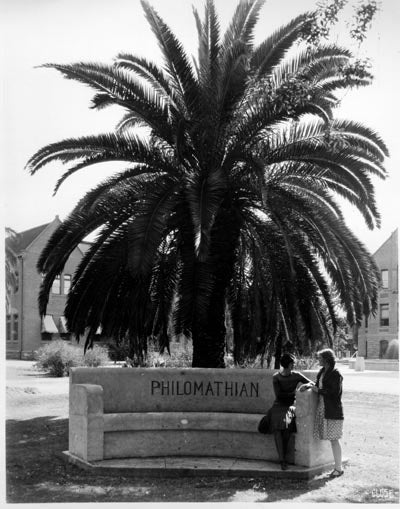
(281, 415)
(326, 429)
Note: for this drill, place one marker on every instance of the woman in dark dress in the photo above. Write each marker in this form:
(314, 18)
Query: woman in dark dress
(281, 416)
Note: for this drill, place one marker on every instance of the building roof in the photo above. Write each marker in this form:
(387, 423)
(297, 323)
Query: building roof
(23, 239)
(393, 237)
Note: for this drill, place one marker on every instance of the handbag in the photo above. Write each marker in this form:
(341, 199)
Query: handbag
(263, 425)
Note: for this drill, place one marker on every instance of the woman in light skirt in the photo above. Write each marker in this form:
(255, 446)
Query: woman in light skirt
(329, 416)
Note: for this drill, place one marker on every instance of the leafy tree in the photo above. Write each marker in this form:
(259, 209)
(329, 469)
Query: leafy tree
(11, 267)
(229, 203)
(327, 14)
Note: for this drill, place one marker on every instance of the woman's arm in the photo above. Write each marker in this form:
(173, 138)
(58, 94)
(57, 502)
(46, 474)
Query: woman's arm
(304, 379)
(333, 387)
(304, 383)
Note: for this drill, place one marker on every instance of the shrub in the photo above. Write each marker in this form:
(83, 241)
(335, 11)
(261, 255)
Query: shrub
(302, 363)
(181, 357)
(58, 356)
(305, 363)
(393, 350)
(96, 356)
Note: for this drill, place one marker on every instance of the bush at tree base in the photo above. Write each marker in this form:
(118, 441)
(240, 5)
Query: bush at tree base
(58, 356)
(181, 357)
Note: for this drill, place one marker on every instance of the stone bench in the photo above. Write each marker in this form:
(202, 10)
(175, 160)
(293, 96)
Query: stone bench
(162, 412)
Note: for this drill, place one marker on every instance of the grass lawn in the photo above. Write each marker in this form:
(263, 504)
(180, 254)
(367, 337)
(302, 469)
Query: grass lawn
(38, 432)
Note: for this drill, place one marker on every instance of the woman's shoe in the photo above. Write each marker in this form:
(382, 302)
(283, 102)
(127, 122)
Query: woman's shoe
(284, 465)
(336, 473)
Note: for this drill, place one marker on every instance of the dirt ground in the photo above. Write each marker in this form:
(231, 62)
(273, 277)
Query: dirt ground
(37, 433)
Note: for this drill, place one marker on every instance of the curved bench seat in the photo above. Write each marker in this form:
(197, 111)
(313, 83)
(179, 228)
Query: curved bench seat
(223, 434)
(219, 421)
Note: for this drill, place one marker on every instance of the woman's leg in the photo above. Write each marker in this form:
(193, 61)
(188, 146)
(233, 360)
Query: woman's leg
(285, 439)
(337, 454)
(278, 436)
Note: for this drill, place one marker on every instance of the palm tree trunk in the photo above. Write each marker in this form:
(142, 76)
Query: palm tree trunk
(208, 350)
(209, 340)
(278, 352)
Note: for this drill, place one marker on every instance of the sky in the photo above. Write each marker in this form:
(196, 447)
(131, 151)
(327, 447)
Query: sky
(39, 106)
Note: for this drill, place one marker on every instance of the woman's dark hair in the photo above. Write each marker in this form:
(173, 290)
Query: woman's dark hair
(328, 355)
(286, 359)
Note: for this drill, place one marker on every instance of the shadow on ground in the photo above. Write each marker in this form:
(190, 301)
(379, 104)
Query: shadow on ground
(36, 472)
(40, 374)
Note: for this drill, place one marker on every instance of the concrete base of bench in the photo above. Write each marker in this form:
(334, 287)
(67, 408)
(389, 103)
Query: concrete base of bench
(139, 414)
(196, 466)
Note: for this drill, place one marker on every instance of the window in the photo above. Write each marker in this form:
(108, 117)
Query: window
(384, 315)
(8, 328)
(67, 283)
(56, 288)
(12, 327)
(14, 333)
(385, 278)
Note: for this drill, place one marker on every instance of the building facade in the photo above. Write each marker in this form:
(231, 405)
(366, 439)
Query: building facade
(375, 334)
(26, 331)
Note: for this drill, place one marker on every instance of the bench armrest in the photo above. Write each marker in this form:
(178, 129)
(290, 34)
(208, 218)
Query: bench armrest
(86, 422)
(308, 450)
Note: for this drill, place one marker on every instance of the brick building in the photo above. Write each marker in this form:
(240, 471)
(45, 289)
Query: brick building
(25, 330)
(376, 332)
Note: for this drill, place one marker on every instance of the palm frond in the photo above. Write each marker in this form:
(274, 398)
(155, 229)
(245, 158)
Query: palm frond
(163, 291)
(120, 88)
(232, 78)
(176, 61)
(243, 22)
(92, 150)
(271, 51)
(209, 44)
(148, 228)
(147, 70)
(234, 54)
(204, 194)
(106, 289)
(128, 122)
(110, 205)
(366, 137)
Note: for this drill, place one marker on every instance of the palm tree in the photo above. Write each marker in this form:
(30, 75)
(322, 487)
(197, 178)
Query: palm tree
(229, 202)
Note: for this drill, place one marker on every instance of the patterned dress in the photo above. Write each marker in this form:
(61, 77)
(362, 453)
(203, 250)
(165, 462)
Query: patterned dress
(326, 429)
